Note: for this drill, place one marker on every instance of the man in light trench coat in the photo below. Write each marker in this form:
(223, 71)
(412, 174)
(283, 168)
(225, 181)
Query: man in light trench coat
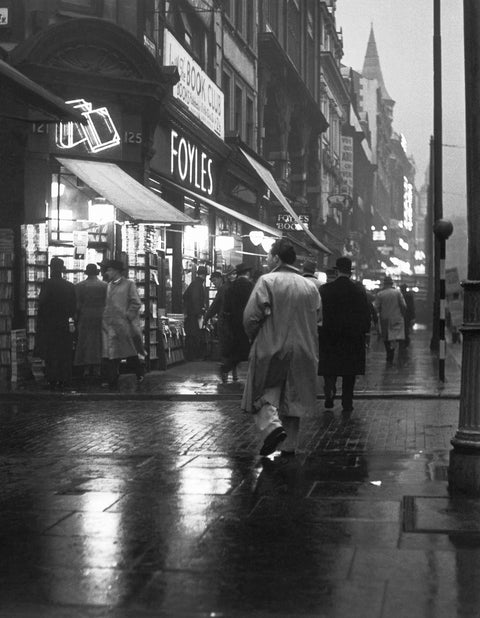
(281, 319)
(121, 324)
(391, 307)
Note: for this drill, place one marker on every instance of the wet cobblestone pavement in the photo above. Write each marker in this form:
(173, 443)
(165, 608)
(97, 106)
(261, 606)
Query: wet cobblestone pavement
(415, 374)
(138, 508)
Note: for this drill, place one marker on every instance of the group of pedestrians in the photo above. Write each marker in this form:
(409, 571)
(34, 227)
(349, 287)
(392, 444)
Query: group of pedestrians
(288, 326)
(294, 329)
(233, 291)
(103, 319)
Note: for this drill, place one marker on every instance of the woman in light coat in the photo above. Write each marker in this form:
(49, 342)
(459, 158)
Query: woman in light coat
(281, 318)
(121, 324)
(391, 308)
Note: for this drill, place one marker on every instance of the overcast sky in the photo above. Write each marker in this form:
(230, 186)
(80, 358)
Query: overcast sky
(404, 35)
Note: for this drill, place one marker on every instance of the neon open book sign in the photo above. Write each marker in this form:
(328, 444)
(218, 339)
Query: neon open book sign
(99, 133)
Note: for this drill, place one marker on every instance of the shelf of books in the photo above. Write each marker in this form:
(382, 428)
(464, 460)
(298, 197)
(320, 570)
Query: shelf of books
(37, 254)
(140, 242)
(172, 339)
(6, 303)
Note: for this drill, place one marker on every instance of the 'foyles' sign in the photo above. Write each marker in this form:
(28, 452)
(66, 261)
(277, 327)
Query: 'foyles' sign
(190, 164)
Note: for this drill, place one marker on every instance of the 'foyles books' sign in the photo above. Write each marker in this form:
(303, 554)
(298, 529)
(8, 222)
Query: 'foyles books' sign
(199, 93)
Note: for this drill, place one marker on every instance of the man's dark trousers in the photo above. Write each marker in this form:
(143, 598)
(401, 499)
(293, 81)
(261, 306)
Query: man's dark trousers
(348, 384)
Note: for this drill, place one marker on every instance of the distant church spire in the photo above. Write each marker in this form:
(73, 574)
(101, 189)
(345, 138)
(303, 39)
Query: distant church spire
(371, 66)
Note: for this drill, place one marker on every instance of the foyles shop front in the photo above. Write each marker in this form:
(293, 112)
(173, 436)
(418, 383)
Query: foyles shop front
(84, 197)
(206, 176)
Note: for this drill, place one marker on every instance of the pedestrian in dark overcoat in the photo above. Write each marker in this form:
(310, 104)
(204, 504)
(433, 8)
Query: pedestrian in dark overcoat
(346, 320)
(194, 304)
(237, 342)
(91, 294)
(215, 312)
(54, 341)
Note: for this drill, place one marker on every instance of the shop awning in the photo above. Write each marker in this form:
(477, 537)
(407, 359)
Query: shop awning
(272, 231)
(35, 95)
(125, 193)
(271, 183)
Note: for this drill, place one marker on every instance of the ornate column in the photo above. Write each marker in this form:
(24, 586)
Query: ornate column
(464, 468)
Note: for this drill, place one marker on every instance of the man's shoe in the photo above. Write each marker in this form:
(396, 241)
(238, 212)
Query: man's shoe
(272, 441)
(329, 403)
(287, 454)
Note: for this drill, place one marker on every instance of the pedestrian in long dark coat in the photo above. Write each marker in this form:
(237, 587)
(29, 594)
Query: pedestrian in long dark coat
(194, 303)
(91, 294)
(54, 341)
(216, 308)
(237, 342)
(346, 320)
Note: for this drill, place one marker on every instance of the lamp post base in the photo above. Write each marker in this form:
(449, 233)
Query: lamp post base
(464, 471)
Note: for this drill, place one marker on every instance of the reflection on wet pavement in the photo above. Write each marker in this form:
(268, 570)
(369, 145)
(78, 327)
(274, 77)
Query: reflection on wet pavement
(415, 373)
(164, 509)
(133, 508)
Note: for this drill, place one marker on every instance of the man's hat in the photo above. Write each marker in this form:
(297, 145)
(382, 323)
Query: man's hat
(116, 265)
(91, 269)
(387, 280)
(216, 275)
(344, 265)
(57, 265)
(242, 268)
(309, 266)
(201, 270)
(230, 270)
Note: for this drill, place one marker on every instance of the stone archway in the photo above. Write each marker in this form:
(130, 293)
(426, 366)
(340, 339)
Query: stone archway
(97, 55)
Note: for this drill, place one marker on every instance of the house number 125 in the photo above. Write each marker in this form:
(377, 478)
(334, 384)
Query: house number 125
(133, 138)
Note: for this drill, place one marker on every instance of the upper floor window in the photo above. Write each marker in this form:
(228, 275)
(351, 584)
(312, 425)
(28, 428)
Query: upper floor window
(227, 98)
(151, 19)
(294, 32)
(239, 106)
(250, 21)
(238, 19)
(271, 15)
(189, 30)
(227, 7)
(238, 110)
(241, 14)
(250, 136)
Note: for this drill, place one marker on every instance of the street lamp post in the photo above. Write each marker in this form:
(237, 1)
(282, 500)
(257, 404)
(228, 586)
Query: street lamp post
(464, 467)
(437, 162)
(442, 230)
